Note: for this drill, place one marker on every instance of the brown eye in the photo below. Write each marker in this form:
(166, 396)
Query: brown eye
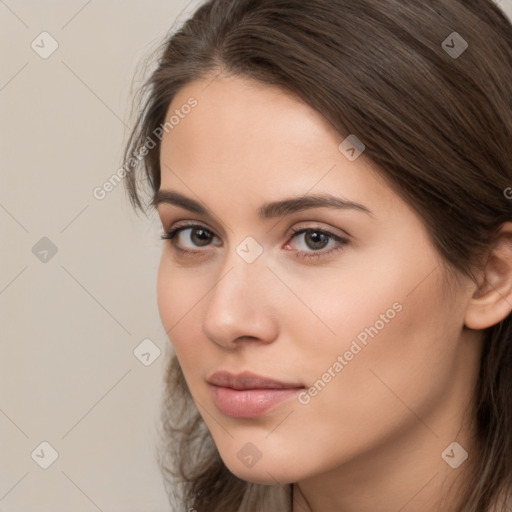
(200, 236)
(187, 238)
(315, 243)
(316, 240)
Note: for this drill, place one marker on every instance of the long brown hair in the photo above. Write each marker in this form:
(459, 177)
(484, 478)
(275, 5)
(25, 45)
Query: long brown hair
(436, 121)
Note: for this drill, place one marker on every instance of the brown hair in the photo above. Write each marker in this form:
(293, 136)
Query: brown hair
(439, 127)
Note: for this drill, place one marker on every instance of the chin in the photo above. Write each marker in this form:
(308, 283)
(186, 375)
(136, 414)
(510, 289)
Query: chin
(264, 472)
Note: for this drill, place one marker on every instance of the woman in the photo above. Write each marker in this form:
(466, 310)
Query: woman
(333, 182)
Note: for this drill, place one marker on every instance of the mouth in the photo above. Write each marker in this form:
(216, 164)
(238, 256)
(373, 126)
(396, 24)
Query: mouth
(248, 395)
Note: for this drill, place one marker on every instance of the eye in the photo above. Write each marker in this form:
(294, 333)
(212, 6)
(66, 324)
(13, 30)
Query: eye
(311, 242)
(307, 243)
(189, 237)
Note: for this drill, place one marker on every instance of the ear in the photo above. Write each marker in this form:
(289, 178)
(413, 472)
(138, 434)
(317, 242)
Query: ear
(492, 300)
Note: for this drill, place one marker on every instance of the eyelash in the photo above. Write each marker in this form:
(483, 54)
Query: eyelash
(171, 235)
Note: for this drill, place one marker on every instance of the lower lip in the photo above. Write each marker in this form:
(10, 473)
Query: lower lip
(250, 403)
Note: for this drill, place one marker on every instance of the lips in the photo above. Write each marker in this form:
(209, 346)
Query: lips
(248, 395)
(248, 380)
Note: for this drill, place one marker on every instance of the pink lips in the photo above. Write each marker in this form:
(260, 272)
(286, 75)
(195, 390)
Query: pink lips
(248, 395)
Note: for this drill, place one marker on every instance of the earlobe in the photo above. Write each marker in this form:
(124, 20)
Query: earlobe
(492, 300)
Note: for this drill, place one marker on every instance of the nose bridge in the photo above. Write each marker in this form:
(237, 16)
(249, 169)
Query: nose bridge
(244, 268)
(239, 303)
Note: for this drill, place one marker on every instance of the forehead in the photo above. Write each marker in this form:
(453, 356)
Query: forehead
(236, 115)
(246, 138)
(234, 118)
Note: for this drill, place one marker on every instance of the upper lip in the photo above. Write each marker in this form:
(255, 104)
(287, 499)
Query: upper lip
(248, 380)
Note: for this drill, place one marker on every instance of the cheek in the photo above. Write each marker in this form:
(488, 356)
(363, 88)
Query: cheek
(178, 294)
(167, 294)
(398, 348)
(394, 330)
(362, 297)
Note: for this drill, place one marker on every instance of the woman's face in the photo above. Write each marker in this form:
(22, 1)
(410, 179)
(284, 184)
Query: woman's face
(347, 301)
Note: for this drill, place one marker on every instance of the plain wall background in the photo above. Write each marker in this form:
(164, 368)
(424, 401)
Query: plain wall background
(69, 325)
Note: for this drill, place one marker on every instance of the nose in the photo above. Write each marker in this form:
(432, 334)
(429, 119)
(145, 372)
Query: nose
(239, 308)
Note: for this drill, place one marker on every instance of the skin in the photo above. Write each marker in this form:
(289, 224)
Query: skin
(376, 431)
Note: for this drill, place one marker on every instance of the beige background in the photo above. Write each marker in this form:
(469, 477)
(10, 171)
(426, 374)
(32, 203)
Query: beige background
(70, 323)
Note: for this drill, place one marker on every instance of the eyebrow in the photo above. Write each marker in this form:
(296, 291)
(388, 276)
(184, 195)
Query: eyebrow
(269, 210)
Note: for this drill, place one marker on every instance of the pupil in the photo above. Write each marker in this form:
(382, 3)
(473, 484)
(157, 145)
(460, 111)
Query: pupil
(200, 237)
(318, 240)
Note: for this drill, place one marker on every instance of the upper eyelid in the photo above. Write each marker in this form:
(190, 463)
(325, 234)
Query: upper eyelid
(162, 206)
(329, 231)
(192, 224)
(343, 237)
(182, 227)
